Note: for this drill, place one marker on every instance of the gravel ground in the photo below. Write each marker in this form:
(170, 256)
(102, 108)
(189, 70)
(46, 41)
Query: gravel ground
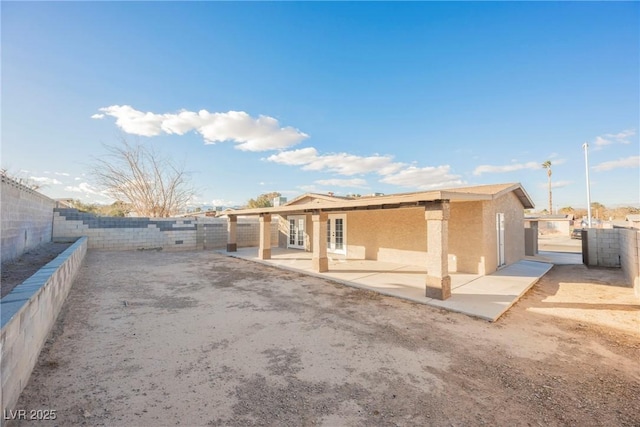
(196, 338)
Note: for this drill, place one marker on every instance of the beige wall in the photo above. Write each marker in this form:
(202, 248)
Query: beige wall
(387, 235)
(514, 231)
(466, 238)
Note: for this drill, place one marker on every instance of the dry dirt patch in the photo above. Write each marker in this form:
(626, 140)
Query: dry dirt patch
(27, 264)
(195, 338)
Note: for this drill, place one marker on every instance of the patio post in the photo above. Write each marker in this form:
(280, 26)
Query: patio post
(438, 284)
(319, 260)
(232, 223)
(264, 251)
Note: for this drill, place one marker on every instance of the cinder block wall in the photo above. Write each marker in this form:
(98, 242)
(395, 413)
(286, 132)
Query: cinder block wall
(26, 218)
(114, 233)
(28, 314)
(617, 247)
(630, 256)
(604, 247)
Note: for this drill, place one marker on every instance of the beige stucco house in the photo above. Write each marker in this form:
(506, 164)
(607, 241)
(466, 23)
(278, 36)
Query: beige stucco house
(467, 230)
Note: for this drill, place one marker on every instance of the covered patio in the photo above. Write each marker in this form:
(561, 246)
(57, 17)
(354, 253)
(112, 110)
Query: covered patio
(470, 232)
(483, 296)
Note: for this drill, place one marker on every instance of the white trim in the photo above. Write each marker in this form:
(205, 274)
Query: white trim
(501, 262)
(299, 226)
(331, 245)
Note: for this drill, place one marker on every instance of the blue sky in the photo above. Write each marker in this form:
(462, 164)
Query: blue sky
(342, 97)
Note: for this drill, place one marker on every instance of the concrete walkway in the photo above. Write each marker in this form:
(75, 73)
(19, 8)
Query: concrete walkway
(558, 258)
(486, 297)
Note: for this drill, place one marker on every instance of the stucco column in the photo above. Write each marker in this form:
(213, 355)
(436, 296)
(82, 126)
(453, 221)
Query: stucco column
(319, 260)
(264, 251)
(438, 281)
(232, 223)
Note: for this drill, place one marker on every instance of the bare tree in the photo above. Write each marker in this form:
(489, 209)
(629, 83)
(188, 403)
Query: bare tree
(547, 166)
(20, 179)
(151, 184)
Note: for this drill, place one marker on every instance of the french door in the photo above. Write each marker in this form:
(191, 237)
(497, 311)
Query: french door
(337, 234)
(296, 231)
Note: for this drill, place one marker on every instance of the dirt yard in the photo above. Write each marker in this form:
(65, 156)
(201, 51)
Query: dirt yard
(196, 338)
(20, 269)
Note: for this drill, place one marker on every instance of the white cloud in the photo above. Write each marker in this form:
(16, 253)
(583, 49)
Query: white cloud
(426, 178)
(556, 184)
(507, 168)
(600, 141)
(250, 134)
(355, 182)
(61, 173)
(312, 189)
(298, 157)
(83, 187)
(629, 162)
(222, 202)
(396, 173)
(340, 163)
(45, 180)
(612, 138)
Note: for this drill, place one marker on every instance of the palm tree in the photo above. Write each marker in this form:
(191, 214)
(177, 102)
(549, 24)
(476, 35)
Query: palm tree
(547, 166)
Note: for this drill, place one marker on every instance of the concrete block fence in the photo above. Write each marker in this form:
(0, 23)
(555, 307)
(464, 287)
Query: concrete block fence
(28, 313)
(26, 218)
(630, 256)
(604, 247)
(115, 233)
(617, 247)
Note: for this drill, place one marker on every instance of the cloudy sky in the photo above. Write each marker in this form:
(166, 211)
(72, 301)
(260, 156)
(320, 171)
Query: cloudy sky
(342, 97)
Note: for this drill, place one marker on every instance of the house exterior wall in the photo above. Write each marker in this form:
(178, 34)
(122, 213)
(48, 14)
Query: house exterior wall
(563, 227)
(466, 235)
(400, 235)
(513, 233)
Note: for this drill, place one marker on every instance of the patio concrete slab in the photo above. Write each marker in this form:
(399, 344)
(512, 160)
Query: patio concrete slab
(558, 258)
(486, 297)
(489, 297)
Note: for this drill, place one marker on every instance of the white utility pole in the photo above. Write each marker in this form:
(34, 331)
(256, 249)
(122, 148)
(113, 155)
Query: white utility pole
(586, 163)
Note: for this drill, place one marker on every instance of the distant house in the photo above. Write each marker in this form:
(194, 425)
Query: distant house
(552, 224)
(472, 230)
(633, 220)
